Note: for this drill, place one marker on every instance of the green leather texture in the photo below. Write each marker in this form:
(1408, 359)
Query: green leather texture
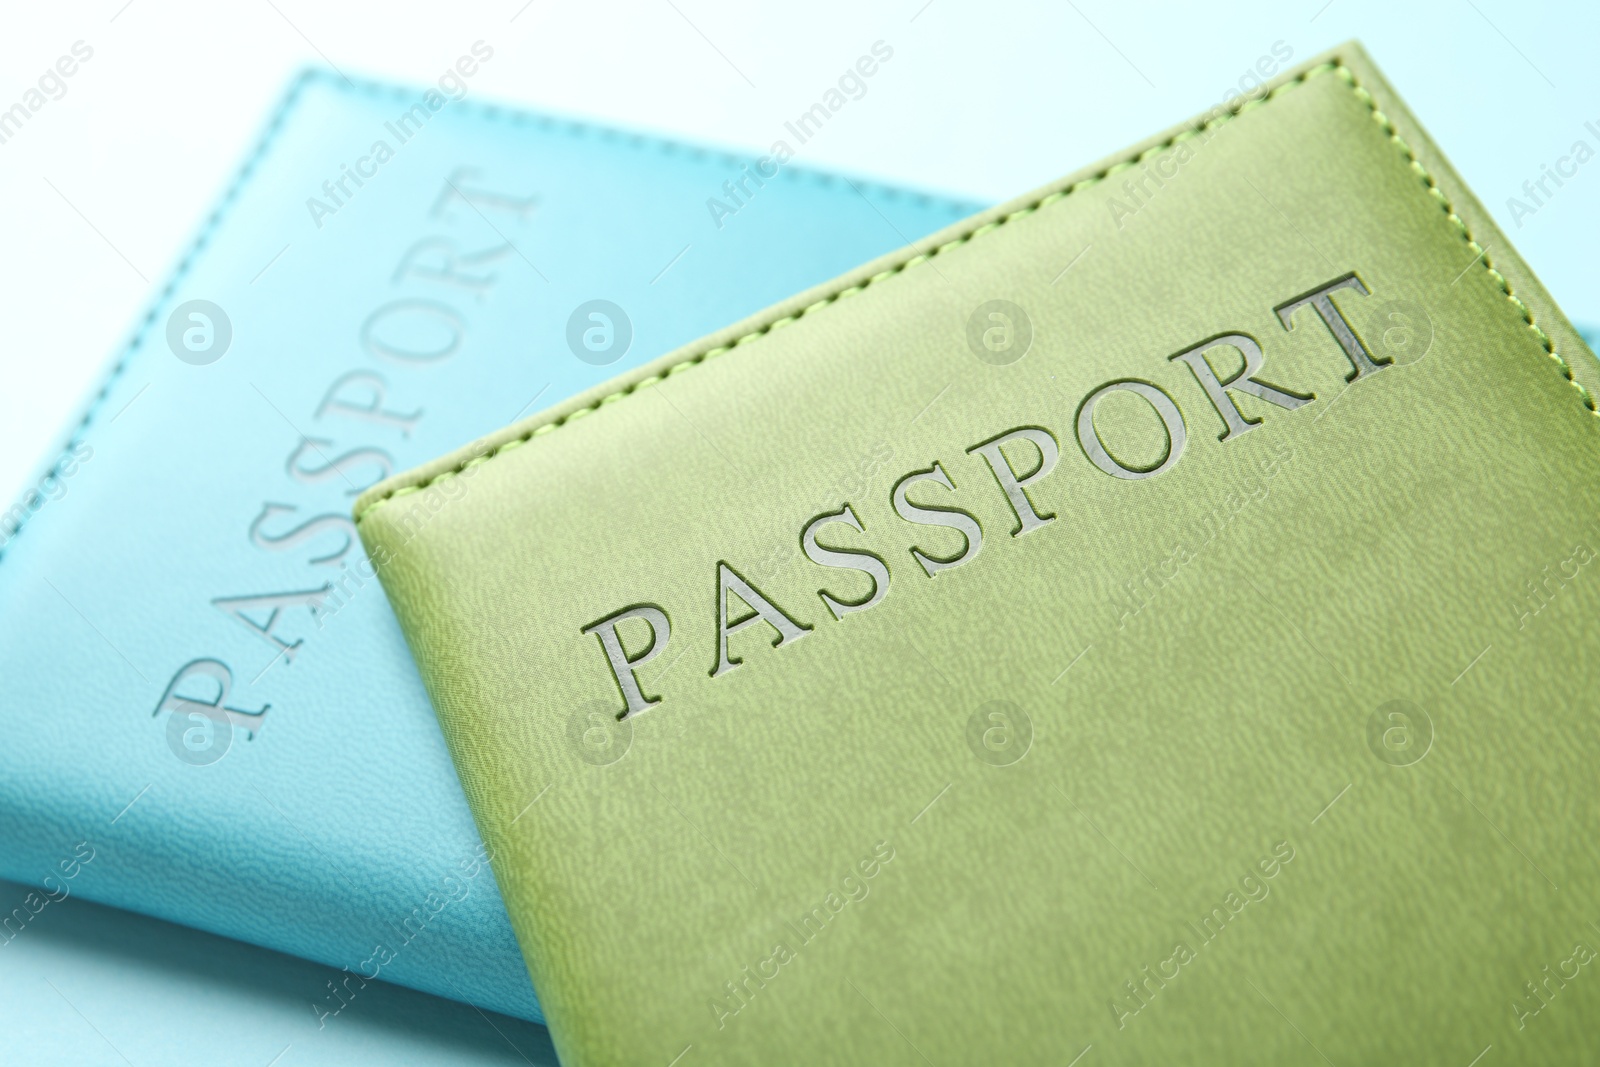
(1282, 754)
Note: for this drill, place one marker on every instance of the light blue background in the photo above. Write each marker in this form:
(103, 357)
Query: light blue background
(323, 834)
(91, 986)
(988, 98)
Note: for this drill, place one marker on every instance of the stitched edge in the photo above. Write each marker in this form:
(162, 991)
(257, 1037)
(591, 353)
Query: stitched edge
(754, 335)
(1466, 235)
(634, 139)
(514, 116)
(141, 331)
(1335, 66)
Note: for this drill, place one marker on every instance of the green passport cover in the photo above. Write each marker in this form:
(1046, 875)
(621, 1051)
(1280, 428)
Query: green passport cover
(1145, 623)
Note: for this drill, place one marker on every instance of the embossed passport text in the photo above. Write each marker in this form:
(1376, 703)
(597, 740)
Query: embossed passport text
(1151, 640)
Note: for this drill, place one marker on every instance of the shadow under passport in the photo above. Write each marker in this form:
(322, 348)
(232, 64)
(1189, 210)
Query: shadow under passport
(86, 984)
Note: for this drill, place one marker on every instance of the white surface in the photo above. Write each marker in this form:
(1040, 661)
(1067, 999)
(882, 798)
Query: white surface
(983, 97)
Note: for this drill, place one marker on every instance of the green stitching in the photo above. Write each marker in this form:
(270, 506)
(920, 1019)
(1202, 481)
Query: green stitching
(1466, 235)
(265, 141)
(754, 335)
(1333, 66)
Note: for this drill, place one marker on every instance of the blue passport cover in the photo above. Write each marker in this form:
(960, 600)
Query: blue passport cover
(204, 684)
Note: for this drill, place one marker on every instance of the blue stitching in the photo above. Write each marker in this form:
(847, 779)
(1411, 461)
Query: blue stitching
(75, 436)
(404, 92)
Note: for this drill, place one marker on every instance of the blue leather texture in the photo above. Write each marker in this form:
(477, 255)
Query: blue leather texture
(200, 684)
(92, 986)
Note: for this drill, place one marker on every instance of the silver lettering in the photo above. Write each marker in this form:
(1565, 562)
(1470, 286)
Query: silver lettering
(954, 518)
(1171, 419)
(623, 666)
(865, 562)
(761, 610)
(1321, 301)
(1015, 488)
(1245, 382)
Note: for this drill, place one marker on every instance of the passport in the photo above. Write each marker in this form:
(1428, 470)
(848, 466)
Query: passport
(1145, 622)
(203, 689)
